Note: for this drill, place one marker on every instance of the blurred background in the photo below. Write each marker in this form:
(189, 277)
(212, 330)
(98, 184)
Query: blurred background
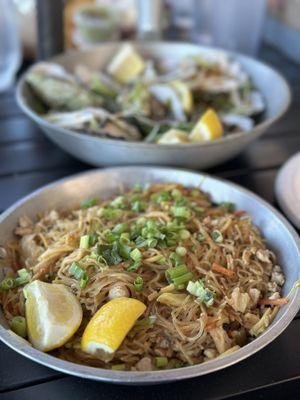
(31, 29)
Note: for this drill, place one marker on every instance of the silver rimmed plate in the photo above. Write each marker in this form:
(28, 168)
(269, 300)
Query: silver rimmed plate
(280, 236)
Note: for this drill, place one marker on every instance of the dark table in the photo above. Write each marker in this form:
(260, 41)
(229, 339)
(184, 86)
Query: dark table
(28, 160)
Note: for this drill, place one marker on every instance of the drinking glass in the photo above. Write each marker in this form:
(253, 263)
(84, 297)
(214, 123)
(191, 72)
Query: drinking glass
(10, 47)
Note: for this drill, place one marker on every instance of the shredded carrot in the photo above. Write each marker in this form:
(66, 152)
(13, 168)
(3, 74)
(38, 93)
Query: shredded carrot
(275, 302)
(240, 213)
(222, 270)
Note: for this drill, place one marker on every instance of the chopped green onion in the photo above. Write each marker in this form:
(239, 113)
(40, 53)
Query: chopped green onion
(118, 202)
(89, 203)
(138, 206)
(181, 251)
(217, 236)
(161, 362)
(84, 281)
(93, 239)
(24, 277)
(7, 284)
(195, 193)
(141, 221)
(181, 212)
(172, 273)
(147, 321)
(110, 252)
(198, 210)
(182, 279)
(118, 367)
(137, 187)
(138, 283)
(109, 213)
(230, 207)
(176, 259)
(176, 193)
(184, 234)
(18, 325)
(161, 260)
(120, 228)
(79, 273)
(203, 294)
(136, 254)
(84, 242)
(201, 237)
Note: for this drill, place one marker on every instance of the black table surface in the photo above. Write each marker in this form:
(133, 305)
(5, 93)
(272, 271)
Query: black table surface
(28, 160)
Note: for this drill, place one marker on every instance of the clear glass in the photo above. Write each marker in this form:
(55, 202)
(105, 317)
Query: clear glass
(232, 24)
(10, 47)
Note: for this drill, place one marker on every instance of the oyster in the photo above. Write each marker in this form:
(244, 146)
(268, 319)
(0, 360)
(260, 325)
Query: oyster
(168, 96)
(58, 89)
(97, 81)
(96, 121)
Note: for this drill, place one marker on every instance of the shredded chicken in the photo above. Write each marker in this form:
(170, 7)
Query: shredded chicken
(221, 339)
(239, 301)
(264, 322)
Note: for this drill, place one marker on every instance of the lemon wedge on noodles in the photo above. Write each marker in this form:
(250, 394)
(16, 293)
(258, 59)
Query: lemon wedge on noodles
(209, 127)
(126, 65)
(107, 329)
(185, 95)
(53, 314)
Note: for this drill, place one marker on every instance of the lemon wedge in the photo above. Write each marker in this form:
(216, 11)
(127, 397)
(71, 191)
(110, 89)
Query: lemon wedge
(109, 326)
(209, 127)
(173, 136)
(185, 95)
(126, 65)
(53, 314)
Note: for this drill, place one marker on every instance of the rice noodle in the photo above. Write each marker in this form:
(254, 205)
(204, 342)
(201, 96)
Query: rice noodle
(180, 333)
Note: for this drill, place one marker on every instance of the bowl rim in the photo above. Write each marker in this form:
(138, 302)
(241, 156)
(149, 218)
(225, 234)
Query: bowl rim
(225, 140)
(161, 376)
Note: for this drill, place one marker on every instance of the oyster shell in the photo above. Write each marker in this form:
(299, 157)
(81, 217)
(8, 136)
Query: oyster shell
(58, 89)
(96, 121)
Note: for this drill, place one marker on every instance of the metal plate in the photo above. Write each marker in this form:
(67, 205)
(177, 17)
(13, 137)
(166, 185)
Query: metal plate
(280, 236)
(104, 151)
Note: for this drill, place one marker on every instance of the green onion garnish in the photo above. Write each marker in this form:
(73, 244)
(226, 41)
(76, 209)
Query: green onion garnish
(201, 237)
(195, 193)
(9, 283)
(203, 294)
(181, 251)
(176, 193)
(18, 325)
(230, 207)
(147, 321)
(217, 236)
(118, 202)
(84, 242)
(138, 206)
(181, 212)
(109, 213)
(120, 228)
(182, 280)
(89, 203)
(175, 273)
(118, 367)
(184, 234)
(136, 254)
(161, 362)
(138, 283)
(79, 274)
